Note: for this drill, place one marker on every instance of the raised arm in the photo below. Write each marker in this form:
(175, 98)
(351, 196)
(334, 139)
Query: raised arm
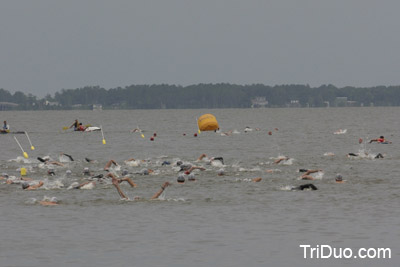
(156, 195)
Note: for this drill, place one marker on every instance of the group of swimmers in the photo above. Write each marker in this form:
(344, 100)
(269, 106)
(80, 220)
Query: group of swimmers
(185, 172)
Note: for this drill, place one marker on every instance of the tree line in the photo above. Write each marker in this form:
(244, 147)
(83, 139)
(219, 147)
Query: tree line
(222, 95)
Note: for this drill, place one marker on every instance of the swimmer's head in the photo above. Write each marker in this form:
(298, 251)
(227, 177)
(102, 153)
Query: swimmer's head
(5, 175)
(125, 172)
(51, 172)
(339, 177)
(145, 172)
(381, 136)
(191, 177)
(221, 172)
(187, 172)
(68, 172)
(181, 179)
(86, 171)
(25, 185)
(166, 163)
(179, 163)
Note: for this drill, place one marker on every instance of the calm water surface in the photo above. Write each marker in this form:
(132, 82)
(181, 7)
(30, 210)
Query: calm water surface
(216, 221)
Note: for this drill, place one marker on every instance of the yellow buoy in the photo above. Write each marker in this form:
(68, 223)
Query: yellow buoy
(23, 171)
(207, 122)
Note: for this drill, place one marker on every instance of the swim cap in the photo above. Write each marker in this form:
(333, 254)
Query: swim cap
(25, 185)
(221, 172)
(4, 175)
(51, 172)
(179, 163)
(145, 171)
(191, 177)
(187, 172)
(339, 177)
(86, 170)
(125, 172)
(68, 172)
(166, 163)
(181, 178)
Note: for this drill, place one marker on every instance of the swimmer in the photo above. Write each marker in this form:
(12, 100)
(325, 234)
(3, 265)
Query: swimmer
(26, 186)
(305, 186)
(3, 176)
(86, 172)
(145, 172)
(116, 181)
(51, 172)
(228, 133)
(381, 140)
(307, 176)
(69, 156)
(109, 163)
(87, 184)
(120, 180)
(165, 163)
(136, 130)
(15, 180)
(191, 177)
(221, 172)
(90, 160)
(378, 156)
(47, 162)
(156, 195)
(247, 129)
(48, 202)
(210, 160)
(181, 179)
(255, 180)
(279, 160)
(99, 176)
(339, 178)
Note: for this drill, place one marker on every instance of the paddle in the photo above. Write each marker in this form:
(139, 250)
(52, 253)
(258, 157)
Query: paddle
(32, 147)
(66, 127)
(25, 154)
(102, 134)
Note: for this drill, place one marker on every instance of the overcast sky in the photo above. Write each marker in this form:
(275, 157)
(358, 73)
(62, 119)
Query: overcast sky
(48, 45)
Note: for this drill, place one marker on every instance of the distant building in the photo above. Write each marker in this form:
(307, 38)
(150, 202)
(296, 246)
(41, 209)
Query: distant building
(52, 104)
(259, 102)
(97, 107)
(341, 101)
(293, 104)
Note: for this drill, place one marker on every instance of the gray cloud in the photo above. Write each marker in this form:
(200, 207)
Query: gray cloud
(49, 45)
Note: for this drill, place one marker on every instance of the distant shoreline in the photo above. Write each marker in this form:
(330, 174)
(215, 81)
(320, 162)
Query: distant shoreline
(203, 96)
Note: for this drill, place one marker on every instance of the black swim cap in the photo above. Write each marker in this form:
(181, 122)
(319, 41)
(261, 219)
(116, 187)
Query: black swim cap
(25, 185)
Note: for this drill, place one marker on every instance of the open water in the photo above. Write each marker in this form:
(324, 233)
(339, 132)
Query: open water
(217, 220)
